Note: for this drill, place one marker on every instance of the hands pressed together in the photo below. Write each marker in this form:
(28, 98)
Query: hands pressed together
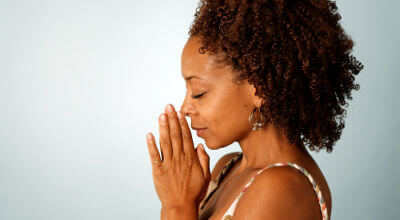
(182, 175)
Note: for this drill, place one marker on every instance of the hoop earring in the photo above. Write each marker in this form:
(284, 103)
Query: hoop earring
(256, 119)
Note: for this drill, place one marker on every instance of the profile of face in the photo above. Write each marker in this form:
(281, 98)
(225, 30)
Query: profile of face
(213, 101)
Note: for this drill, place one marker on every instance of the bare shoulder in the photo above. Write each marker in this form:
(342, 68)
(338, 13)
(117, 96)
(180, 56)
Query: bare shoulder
(221, 164)
(279, 193)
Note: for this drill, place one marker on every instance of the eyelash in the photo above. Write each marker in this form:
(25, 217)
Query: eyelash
(198, 96)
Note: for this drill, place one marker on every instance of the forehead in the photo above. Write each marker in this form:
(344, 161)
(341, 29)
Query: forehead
(197, 65)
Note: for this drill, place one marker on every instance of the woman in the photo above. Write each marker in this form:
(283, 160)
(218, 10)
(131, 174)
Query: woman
(273, 76)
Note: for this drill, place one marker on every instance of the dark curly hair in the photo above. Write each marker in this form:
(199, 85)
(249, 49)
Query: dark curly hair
(296, 55)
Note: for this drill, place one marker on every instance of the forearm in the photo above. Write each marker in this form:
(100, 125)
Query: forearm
(189, 212)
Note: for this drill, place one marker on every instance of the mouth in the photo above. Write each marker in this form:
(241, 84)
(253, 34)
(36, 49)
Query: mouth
(196, 128)
(200, 131)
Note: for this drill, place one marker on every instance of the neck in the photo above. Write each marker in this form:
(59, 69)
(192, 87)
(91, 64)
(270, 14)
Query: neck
(266, 146)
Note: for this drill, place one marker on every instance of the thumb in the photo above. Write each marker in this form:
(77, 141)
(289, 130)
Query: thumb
(204, 161)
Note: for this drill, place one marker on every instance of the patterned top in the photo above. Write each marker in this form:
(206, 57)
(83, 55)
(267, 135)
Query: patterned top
(229, 213)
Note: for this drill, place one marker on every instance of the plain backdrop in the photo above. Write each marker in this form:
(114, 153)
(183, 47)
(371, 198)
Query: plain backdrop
(82, 82)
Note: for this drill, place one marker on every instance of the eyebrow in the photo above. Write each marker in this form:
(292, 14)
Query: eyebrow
(191, 77)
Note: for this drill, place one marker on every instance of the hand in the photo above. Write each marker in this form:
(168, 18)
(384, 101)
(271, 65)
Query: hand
(181, 178)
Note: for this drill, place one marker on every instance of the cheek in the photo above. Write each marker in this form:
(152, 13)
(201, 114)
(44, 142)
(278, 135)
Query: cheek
(227, 121)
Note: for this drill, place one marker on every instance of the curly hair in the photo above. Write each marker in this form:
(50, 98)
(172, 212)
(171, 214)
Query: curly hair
(296, 55)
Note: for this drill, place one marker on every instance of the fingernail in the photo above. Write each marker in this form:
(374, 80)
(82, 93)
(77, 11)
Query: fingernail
(163, 118)
(170, 108)
(179, 115)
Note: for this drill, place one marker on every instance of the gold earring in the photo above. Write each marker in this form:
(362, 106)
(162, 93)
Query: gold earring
(256, 119)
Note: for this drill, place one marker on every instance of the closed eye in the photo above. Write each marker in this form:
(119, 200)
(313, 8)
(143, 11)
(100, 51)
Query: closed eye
(198, 96)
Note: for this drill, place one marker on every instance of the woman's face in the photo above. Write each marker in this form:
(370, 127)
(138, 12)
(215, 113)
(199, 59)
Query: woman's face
(213, 101)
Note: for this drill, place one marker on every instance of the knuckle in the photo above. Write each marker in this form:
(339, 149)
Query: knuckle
(187, 135)
(173, 117)
(175, 135)
(165, 141)
(183, 157)
(155, 156)
(158, 172)
(177, 158)
(189, 157)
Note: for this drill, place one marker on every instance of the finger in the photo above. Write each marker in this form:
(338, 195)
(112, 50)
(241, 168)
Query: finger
(153, 151)
(174, 131)
(204, 161)
(188, 146)
(165, 141)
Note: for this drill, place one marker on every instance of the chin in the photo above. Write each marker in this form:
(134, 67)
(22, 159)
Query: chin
(215, 145)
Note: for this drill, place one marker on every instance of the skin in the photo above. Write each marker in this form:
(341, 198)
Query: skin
(181, 179)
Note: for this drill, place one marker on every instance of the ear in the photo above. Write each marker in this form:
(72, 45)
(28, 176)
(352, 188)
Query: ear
(254, 98)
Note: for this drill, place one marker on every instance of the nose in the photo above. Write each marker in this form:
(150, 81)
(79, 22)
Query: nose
(187, 107)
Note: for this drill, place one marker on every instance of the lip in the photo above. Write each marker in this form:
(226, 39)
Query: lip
(200, 132)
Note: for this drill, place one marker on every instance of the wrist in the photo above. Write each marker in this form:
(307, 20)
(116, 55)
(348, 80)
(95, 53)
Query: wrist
(184, 212)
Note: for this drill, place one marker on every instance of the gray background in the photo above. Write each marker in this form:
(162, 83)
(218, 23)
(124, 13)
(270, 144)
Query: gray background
(82, 82)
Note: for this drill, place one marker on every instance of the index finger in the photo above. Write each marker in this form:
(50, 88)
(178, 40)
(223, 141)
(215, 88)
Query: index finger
(188, 146)
(153, 151)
